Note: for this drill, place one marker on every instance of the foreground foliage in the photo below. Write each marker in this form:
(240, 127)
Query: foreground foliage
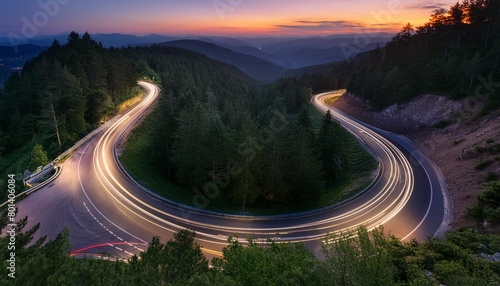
(359, 258)
(488, 208)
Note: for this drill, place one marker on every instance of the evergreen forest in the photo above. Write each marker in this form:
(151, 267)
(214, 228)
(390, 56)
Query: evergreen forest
(456, 54)
(217, 132)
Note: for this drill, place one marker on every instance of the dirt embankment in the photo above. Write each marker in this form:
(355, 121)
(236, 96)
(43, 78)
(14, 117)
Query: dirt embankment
(465, 148)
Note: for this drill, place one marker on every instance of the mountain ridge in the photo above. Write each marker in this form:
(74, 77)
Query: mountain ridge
(257, 68)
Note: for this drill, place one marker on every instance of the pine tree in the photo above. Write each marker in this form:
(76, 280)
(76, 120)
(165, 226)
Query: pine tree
(304, 121)
(38, 158)
(164, 132)
(73, 39)
(172, 263)
(273, 138)
(189, 152)
(359, 258)
(305, 171)
(218, 146)
(328, 147)
(247, 167)
(49, 98)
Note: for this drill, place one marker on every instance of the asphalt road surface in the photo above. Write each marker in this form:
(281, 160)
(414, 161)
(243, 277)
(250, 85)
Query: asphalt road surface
(108, 213)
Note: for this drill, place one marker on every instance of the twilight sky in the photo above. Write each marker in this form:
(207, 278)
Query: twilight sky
(29, 18)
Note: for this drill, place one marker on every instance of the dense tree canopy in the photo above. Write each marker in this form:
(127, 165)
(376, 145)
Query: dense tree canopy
(58, 97)
(352, 258)
(456, 53)
(215, 132)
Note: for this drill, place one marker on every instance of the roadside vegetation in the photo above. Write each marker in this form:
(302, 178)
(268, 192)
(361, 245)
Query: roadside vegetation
(217, 137)
(59, 97)
(367, 258)
(211, 114)
(214, 126)
(456, 54)
(487, 210)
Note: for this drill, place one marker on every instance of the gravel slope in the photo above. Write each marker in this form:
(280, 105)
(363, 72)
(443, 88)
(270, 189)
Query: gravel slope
(450, 134)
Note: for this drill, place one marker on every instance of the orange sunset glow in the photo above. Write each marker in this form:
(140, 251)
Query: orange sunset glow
(219, 17)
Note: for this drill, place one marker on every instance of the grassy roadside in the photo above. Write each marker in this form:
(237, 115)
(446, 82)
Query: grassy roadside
(136, 158)
(131, 102)
(332, 100)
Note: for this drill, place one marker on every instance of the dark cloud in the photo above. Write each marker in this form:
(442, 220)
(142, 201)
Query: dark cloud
(321, 25)
(428, 6)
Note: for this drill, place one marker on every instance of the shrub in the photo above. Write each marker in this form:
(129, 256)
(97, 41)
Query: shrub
(491, 176)
(483, 165)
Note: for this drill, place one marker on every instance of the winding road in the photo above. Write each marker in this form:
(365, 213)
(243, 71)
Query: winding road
(107, 212)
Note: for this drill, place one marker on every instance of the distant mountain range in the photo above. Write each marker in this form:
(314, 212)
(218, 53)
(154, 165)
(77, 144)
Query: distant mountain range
(301, 52)
(263, 58)
(258, 68)
(108, 40)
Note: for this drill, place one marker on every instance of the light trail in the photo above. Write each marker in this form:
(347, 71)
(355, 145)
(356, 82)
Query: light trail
(372, 209)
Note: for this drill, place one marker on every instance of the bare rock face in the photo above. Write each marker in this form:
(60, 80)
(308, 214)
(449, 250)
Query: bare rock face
(492, 258)
(424, 111)
(453, 134)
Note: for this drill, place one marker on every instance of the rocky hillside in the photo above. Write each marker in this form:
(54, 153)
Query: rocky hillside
(463, 144)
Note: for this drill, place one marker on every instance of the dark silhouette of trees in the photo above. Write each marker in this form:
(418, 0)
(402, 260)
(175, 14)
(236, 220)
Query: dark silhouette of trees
(60, 96)
(447, 55)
